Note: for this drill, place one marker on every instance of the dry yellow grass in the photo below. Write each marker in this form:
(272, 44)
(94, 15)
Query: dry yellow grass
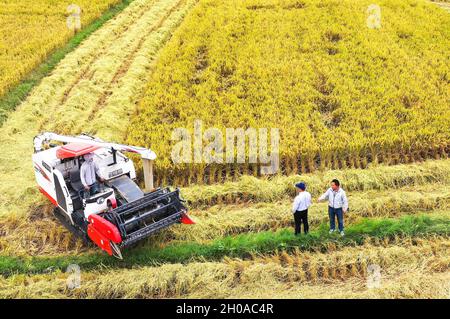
(409, 268)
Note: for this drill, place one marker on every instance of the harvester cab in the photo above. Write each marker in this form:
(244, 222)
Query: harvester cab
(120, 213)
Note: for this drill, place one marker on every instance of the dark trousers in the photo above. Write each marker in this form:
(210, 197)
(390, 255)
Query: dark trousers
(334, 213)
(301, 216)
(93, 189)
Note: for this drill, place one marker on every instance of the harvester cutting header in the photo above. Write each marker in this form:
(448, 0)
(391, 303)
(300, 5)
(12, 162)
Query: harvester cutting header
(115, 214)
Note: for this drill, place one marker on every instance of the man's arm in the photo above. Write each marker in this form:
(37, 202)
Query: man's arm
(344, 202)
(324, 196)
(82, 173)
(96, 172)
(295, 205)
(308, 200)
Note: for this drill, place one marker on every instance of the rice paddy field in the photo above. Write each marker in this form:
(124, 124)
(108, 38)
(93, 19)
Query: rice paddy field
(367, 106)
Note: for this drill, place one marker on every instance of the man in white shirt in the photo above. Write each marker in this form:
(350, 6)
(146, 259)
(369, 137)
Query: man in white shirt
(337, 205)
(300, 208)
(88, 175)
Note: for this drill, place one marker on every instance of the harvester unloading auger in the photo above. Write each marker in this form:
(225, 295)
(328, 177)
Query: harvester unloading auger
(120, 214)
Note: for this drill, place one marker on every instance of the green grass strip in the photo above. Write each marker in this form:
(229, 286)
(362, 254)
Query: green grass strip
(18, 93)
(239, 246)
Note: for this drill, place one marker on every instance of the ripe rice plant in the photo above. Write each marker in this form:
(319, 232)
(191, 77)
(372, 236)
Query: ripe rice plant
(225, 220)
(249, 188)
(342, 94)
(444, 4)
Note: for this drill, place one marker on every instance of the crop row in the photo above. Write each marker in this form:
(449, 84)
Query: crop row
(243, 246)
(43, 28)
(312, 273)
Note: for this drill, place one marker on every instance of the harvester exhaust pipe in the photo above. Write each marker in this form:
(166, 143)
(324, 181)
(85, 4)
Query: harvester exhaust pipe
(147, 165)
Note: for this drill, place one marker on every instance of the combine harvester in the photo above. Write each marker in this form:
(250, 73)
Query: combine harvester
(120, 214)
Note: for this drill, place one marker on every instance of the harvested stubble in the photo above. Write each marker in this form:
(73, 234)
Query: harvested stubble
(243, 246)
(277, 275)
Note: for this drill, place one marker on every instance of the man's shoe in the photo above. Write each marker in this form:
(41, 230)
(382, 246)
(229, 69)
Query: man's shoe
(342, 233)
(332, 231)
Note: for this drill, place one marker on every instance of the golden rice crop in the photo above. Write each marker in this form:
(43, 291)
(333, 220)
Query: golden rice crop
(269, 276)
(380, 93)
(341, 93)
(31, 29)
